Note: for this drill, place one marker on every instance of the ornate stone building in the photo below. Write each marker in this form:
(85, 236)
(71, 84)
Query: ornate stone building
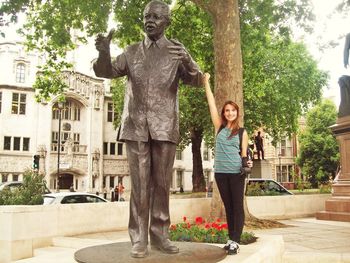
(90, 158)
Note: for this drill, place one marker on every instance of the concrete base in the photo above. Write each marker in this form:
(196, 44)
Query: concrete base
(120, 252)
(261, 169)
(338, 207)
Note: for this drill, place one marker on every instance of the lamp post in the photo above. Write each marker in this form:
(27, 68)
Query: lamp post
(280, 167)
(60, 107)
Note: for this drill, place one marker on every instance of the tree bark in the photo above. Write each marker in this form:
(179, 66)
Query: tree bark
(197, 171)
(228, 68)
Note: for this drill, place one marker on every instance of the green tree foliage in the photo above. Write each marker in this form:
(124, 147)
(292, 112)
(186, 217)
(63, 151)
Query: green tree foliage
(280, 77)
(29, 194)
(319, 151)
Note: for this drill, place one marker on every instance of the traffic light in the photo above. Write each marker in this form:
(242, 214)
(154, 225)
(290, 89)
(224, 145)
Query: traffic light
(36, 159)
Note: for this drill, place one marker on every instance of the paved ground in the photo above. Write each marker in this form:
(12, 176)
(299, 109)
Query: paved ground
(306, 240)
(312, 235)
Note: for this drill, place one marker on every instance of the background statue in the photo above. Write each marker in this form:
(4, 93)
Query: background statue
(150, 121)
(346, 50)
(344, 83)
(259, 144)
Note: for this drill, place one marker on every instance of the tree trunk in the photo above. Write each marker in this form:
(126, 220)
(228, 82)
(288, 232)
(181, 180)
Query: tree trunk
(197, 171)
(228, 74)
(228, 69)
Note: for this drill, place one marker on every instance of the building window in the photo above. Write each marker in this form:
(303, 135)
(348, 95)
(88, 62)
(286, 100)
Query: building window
(112, 148)
(178, 154)
(110, 112)
(25, 144)
(111, 182)
(285, 148)
(120, 149)
(70, 111)
(76, 114)
(76, 139)
(284, 173)
(105, 148)
(20, 73)
(15, 177)
(4, 178)
(18, 103)
(179, 178)
(7, 143)
(0, 101)
(16, 143)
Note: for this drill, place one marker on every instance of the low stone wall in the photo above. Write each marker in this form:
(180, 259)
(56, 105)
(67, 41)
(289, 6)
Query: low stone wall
(286, 206)
(24, 228)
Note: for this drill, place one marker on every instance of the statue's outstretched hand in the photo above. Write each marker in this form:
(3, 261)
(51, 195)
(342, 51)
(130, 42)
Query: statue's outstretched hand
(179, 52)
(102, 42)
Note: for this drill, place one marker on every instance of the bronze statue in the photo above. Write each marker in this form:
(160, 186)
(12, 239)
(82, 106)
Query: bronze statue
(344, 83)
(150, 121)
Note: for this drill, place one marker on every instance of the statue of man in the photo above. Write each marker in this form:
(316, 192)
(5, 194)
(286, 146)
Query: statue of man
(150, 121)
(344, 83)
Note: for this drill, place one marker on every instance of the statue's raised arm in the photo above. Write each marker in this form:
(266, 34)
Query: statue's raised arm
(103, 65)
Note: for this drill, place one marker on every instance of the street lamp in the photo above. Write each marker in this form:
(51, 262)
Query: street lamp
(60, 107)
(280, 167)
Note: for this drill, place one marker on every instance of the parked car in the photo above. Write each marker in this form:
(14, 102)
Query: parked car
(17, 184)
(71, 198)
(260, 186)
(10, 185)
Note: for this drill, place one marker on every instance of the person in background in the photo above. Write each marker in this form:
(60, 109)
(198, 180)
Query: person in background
(120, 191)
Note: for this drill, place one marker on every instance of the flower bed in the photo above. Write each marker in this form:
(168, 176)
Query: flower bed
(205, 231)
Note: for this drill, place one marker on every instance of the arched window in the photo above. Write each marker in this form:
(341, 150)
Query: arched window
(20, 72)
(70, 111)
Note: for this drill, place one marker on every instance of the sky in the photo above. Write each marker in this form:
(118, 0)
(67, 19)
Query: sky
(327, 28)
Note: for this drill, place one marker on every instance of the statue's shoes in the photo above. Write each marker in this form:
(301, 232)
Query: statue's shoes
(166, 247)
(139, 251)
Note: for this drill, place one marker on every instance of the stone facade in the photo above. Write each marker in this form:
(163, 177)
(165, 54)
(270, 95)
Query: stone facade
(30, 128)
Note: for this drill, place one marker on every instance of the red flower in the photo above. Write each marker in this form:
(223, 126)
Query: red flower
(188, 225)
(207, 226)
(216, 226)
(224, 226)
(218, 220)
(173, 227)
(199, 220)
(184, 218)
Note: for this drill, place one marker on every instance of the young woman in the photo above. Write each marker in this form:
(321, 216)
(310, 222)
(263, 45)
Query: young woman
(228, 163)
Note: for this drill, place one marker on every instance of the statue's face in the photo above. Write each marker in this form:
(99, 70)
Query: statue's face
(154, 21)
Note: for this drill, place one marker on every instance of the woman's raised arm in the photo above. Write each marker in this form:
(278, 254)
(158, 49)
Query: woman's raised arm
(215, 117)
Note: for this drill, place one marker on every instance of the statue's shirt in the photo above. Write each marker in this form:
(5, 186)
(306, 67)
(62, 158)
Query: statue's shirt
(151, 103)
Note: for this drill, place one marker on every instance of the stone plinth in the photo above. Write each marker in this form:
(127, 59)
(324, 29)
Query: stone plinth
(338, 207)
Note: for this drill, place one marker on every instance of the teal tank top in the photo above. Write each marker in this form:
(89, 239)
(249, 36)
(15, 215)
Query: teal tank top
(227, 157)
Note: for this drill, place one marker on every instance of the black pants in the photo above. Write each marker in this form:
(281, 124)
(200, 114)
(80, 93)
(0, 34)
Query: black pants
(231, 188)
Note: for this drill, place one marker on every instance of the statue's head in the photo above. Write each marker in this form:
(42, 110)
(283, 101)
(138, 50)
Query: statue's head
(156, 18)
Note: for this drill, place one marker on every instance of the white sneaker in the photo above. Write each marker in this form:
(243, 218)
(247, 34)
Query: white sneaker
(233, 248)
(228, 243)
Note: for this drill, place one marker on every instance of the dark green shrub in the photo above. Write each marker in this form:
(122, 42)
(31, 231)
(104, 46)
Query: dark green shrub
(29, 194)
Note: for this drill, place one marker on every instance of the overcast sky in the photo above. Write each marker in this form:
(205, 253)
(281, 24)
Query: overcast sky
(329, 27)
